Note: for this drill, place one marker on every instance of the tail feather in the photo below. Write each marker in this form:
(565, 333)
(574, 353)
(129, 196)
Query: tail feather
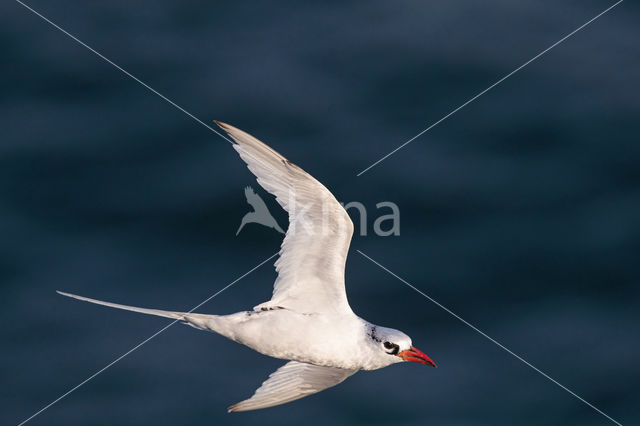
(156, 312)
(215, 323)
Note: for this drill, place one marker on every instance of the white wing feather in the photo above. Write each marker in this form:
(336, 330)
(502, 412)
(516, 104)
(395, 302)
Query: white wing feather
(292, 381)
(314, 251)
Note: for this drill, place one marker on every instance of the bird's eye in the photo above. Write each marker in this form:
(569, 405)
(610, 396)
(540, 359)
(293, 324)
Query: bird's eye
(392, 348)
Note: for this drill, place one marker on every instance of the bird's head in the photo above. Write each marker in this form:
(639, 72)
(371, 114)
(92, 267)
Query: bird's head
(395, 346)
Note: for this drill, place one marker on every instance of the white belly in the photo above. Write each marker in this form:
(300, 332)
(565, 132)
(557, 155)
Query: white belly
(313, 338)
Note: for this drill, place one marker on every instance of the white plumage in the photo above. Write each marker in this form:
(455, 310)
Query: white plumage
(292, 381)
(308, 319)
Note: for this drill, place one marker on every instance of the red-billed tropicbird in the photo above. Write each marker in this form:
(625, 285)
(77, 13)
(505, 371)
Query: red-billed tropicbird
(308, 320)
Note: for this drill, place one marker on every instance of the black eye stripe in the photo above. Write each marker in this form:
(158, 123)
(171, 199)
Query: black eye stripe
(394, 348)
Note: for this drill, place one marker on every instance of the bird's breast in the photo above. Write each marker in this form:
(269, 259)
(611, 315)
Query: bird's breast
(330, 340)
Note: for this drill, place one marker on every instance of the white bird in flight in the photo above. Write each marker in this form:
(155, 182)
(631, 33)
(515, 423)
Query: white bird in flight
(308, 320)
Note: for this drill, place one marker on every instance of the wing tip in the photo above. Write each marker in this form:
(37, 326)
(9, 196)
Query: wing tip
(228, 128)
(247, 405)
(235, 408)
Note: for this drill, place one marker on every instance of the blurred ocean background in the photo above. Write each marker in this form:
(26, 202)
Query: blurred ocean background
(520, 213)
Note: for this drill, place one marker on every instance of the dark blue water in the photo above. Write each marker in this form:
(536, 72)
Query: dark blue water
(519, 213)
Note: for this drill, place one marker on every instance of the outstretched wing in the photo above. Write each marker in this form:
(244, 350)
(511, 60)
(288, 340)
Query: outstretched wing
(314, 250)
(292, 381)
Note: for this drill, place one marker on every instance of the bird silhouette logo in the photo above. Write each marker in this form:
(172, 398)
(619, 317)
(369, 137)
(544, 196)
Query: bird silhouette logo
(260, 213)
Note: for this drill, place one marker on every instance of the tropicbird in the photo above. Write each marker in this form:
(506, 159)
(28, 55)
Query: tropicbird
(308, 320)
